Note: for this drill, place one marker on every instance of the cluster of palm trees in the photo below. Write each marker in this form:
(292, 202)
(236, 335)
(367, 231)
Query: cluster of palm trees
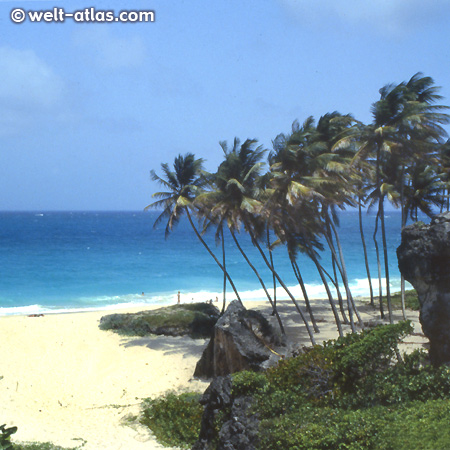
(292, 197)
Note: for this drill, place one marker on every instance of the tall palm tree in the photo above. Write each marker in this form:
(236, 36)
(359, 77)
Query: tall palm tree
(182, 185)
(237, 201)
(406, 127)
(295, 186)
(233, 193)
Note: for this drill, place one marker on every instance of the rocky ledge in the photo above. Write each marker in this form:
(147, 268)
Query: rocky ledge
(424, 260)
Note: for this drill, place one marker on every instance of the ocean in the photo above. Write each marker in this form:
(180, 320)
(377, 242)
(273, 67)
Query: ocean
(82, 261)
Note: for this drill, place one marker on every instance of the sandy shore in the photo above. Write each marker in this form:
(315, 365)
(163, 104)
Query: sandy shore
(65, 381)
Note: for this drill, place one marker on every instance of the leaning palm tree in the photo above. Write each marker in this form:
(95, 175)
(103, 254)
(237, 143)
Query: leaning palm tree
(237, 201)
(406, 126)
(296, 188)
(232, 194)
(182, 185)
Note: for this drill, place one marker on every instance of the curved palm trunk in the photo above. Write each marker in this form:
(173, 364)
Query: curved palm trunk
(224, 276)
(338, 291)
(402, 278)
(380, 287)
(342, 268)
(280, 323)
(327, 289)
(273, 276)
(386, 262)
(255, 243)
(334, 256)
(213, 256)
(366, 259)
(299, 277)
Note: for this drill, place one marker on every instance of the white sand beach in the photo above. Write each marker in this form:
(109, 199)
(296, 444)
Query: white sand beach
(65, 381)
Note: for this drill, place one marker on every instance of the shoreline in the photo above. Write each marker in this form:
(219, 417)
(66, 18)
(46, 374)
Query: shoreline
(359, 289)
(63, 380)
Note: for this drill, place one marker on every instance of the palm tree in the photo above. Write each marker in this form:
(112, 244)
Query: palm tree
(182, 185)
(237, 201)
(232, 194)
(406, 127)
(296, 188)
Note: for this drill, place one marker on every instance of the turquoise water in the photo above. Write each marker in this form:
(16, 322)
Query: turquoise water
(63, 261)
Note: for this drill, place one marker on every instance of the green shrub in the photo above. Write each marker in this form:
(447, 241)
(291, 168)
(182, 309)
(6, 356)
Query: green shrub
(174, 419)
(5, 437)
(340, 368)
(247, 383)
(416, 426)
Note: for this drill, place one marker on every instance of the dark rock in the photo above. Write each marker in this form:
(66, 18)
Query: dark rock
(240, 431)
(242, 340)
(240, 426)
(216, 397)
(424, 260)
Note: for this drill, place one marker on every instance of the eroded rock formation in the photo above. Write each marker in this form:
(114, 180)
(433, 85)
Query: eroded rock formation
(242, 340)
(239, 430)
(424, 260)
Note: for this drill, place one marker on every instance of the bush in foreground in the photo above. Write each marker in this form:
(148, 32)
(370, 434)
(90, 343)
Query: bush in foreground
(174, 419)
(354, 393)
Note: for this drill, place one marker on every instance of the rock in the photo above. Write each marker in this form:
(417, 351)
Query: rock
(194, 319)
(216, 397)
(239, 428)
(424, 260)
(242, 340)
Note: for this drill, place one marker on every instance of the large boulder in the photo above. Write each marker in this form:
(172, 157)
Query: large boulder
(242, 340)
(193, 319)
(424, 260)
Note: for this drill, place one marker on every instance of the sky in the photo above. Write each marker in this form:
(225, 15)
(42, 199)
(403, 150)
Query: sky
(88, 109)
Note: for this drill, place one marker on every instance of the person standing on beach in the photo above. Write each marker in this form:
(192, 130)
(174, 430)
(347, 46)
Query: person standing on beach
(178, 297)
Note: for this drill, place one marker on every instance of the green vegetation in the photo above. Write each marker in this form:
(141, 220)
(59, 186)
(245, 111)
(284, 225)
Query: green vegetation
(195, 320)
(174, 419)
(40, 446)
(411, 300)
(5, 437)
(353, 393)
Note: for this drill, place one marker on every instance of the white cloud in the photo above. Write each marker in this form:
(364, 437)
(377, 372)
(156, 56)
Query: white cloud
(29, 89)
(385, 16)
(26, 80)
(108, 51)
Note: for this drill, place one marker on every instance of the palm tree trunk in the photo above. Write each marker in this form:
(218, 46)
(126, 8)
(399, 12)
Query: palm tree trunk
(403, 218)
(298, 275)
(273, 276)
(386, 262)
(366, 259)
(213, 256)
(380, 287)
(333, 253)
(327, 289)
(280, 323)
(351, 303)
(255, 243)
(224, 276)
(338, 291)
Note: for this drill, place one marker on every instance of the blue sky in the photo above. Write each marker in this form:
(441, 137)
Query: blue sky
(87, 110)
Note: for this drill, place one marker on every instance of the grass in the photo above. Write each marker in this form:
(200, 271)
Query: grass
(411, 300)
(40, 446)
